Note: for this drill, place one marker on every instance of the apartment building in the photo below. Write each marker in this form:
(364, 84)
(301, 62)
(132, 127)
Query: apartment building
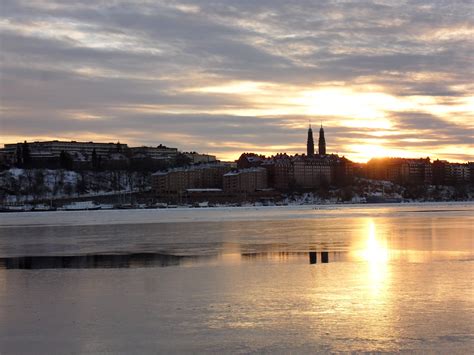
(245, 180)
(178, 180)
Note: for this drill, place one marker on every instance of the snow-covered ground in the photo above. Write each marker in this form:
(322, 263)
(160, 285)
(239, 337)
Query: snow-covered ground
(26, 185)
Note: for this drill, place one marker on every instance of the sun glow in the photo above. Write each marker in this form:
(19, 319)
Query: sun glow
(365, 152)
(345, 102)
(370, 150)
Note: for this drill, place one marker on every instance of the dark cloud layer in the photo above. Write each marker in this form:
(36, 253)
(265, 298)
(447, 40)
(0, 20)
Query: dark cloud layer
(133, 70)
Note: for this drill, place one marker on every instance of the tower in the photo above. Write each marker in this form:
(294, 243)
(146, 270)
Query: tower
(310, 143)
(322, 141)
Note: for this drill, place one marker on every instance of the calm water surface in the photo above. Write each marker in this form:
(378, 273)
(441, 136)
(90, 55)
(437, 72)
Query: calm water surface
(399, 278)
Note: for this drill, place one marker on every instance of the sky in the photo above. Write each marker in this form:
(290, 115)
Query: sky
(385, 78)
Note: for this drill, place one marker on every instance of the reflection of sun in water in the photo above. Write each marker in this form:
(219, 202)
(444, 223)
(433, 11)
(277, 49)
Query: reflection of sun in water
(376, 251)
(376, 254)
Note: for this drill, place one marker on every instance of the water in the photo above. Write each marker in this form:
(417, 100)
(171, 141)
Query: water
(399, 278)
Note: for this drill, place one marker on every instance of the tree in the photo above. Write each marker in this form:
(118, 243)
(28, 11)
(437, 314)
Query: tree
(81, 185)
(324, 189)
(65, 161)
(58, 181)
(182, 160)
(15, 186)
(26, 156)
(68, 189)
(30, 180)
(347, 193)
(116, 180)
(39, 188)
(460, 192)
(19, 156)
(95, 160)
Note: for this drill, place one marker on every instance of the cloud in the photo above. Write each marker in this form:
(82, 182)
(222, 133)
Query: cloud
(132, 71)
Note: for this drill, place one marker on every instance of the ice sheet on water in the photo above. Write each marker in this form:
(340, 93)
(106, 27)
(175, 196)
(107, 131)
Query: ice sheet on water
(408, 287)
(217, 214)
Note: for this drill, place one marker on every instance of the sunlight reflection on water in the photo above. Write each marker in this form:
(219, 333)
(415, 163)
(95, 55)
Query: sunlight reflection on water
(376, 255)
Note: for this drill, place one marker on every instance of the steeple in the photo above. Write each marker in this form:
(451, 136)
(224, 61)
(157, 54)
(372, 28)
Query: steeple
(310, 143)
(322, 141)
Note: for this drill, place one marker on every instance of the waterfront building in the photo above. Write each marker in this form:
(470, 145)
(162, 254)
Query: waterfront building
(245, 180)
(400, 170)
(439, 172)
(311, 172)
(470, 165)
(178, 180)
(457, 173)
(417, 171)
(283, 172)
(445, 173)
(249, 160)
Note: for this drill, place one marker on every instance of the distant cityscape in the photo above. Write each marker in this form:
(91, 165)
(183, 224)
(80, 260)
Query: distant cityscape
(172, 175)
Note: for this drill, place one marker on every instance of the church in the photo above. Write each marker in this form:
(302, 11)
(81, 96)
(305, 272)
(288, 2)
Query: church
(321, 142)
(308, 171)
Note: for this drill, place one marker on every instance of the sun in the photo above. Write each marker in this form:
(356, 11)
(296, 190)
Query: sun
(365, 152)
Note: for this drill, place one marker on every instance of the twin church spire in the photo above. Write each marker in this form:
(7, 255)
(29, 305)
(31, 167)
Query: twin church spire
(310, 143)
(321, 142)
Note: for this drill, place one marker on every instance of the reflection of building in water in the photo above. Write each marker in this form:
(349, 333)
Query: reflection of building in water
(231, 253)
(284, 256)
(280, 256)
(94, 261)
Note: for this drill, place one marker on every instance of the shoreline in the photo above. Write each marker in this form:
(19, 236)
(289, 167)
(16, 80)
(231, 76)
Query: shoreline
(107, 207)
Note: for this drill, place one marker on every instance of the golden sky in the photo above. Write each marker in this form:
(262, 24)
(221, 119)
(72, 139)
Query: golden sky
(224, 77)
